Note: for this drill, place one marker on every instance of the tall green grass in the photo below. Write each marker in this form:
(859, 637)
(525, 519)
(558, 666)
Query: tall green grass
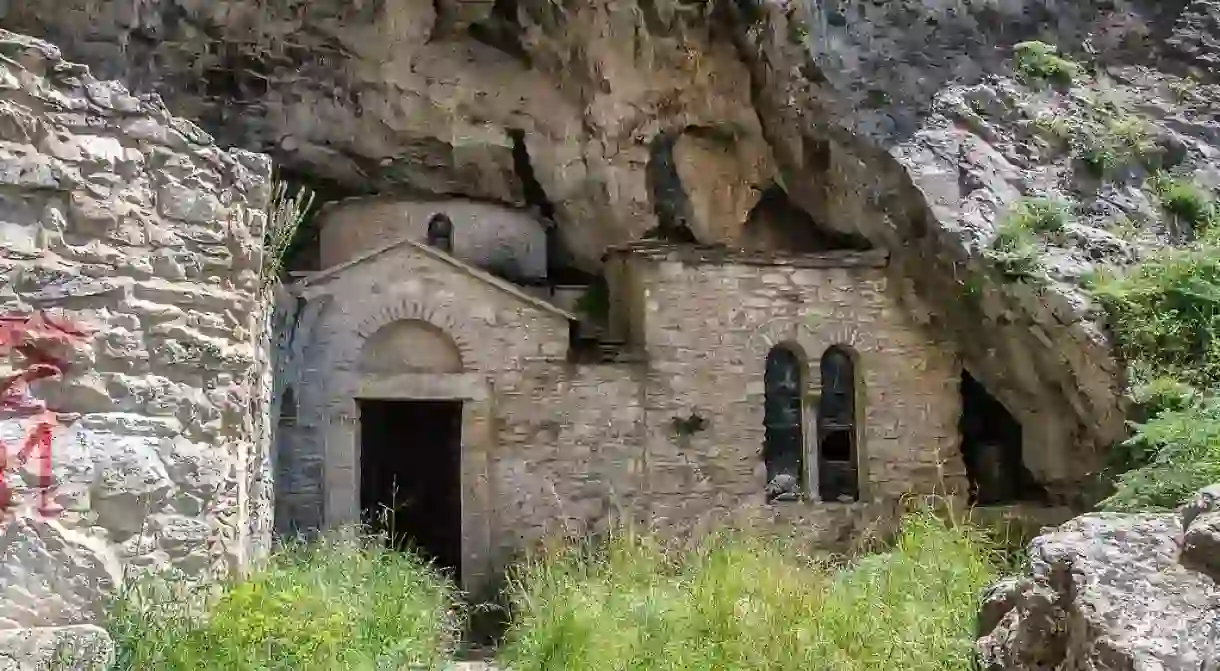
(338, 603)
(742, 602)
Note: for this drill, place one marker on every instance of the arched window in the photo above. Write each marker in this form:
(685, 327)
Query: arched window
(784, 441)
(838, 476)
(440, 232)
(284, 465)
(288, 408)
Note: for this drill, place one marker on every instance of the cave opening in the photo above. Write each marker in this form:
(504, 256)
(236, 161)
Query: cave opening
(992, 450)
(502, 31)
(776, 223)
(669, 200)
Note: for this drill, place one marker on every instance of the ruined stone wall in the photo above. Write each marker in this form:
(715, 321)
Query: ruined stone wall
(708, 327)
(130, 247)
(486, 235)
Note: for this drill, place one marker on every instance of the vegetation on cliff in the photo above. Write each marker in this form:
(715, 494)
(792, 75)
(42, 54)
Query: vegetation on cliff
(1164, 315)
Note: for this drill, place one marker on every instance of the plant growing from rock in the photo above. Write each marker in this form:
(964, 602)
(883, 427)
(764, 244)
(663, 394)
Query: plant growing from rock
(1015, 249)
(288, 210)
(1039, 61)
(1187, 203)
(1042, 215)
(1108, 144)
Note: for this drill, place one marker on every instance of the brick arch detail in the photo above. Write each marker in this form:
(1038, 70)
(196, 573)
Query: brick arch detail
(812, 338)
(403, 308)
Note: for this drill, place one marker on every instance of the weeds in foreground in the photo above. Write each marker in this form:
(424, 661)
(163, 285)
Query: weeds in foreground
(332, 604)
(741, 602)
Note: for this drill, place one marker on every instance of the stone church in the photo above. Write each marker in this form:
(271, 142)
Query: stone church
(442, 379)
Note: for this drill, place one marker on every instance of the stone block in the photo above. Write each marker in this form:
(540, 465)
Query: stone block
(51, 575)
(80, 648)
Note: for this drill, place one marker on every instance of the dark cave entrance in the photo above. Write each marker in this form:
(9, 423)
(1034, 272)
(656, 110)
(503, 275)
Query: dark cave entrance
(991, 450)
(410, 476)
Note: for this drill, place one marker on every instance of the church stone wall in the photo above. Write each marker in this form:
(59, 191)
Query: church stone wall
(569, 451)
(129, 255)
(708, 325)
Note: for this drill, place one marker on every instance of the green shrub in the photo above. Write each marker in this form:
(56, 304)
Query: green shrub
(1164, 394)
(1015, 249)
(742, 602)
(1108, 143)
(1164, 314)
(1173, 455)
(334, 604)
(1041, 61)
(1187, 202)
(1042, 215)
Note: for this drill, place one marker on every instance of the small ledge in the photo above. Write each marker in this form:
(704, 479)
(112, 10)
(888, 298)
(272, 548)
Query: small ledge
(693, 254)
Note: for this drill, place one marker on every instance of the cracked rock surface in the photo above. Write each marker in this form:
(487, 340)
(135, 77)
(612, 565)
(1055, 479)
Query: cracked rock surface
(1110, 591)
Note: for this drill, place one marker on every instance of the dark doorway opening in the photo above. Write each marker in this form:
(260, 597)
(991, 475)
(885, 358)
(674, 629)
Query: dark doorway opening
(410, 476)
(991, 449)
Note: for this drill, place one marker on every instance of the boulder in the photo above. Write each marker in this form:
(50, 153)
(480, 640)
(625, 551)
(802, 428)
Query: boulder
(1110, 591)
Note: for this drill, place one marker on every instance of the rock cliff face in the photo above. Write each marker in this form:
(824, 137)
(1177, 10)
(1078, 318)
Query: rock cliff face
(130, 401)
(1112, 591)
(892, 121)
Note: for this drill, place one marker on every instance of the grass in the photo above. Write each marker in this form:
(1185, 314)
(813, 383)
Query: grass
(738, 601)
(1039, 61)
(1164, 314)
(333, 604)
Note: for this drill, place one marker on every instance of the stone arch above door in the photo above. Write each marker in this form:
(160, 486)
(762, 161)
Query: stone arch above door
(409, 346)
(406, 309)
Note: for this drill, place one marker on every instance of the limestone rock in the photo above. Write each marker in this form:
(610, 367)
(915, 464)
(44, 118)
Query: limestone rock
(52, 576)
(142, 239)
(80, 648)
(1104, 591)
(1201, 527)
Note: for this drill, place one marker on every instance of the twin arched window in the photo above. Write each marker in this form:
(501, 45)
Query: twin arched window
(784, 450)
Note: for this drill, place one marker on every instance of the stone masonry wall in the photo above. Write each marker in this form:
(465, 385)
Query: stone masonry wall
(569, 452)
(130, 247)
(707, 328)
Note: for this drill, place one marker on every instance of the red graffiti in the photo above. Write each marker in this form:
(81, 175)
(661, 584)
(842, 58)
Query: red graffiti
(30, 338)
